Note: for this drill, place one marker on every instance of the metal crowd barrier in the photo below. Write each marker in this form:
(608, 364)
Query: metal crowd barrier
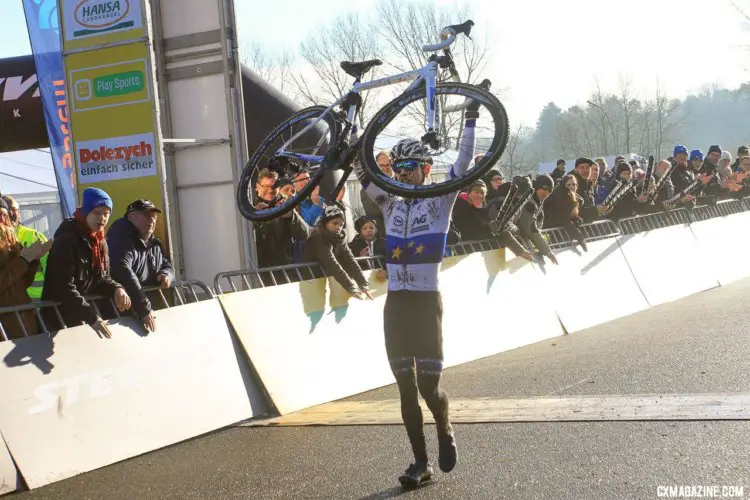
(642, 223)
(721, 209)
(184, 293)
(558, 238)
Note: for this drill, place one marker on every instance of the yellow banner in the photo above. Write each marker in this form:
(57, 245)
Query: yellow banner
(113, 120)
(87, 23)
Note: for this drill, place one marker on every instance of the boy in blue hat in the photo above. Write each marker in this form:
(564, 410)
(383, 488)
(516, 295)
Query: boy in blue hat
(78, 265)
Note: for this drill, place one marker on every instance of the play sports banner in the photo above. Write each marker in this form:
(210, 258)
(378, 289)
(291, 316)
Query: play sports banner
(112, 102)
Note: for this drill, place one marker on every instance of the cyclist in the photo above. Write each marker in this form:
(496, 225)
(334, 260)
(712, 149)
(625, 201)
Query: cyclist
(416, 232)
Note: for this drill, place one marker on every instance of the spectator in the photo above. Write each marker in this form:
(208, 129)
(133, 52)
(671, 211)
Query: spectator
(26, 237)
(494, 180)
(286, 188)
(742, 151)
(531, 221)
(696, 160)
(471, 220)
(710, 167)
(138, 258)
(562, 209)
(18, 266)
(559, 171)
(370, 206)
(327, 246)
(367, 243)
(630, 203)
(589, 210)
(274, 239)
(666, 191)
(725, 164)
(78, 265)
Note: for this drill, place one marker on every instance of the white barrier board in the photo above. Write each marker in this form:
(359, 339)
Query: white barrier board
(8, 472)
(79, 402)
(594, 287)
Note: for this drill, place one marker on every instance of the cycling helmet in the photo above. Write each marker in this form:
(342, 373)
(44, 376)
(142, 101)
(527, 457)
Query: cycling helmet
(409, 149)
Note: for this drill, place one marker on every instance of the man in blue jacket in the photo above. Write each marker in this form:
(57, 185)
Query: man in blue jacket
(138, 258)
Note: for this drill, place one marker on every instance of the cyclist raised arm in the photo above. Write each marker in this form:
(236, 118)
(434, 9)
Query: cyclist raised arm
(416, 232)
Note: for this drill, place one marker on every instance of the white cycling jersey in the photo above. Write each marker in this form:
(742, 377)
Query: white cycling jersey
(416, 229)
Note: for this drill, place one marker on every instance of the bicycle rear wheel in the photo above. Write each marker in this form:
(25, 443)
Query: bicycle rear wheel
(410, 111)
(301, 162)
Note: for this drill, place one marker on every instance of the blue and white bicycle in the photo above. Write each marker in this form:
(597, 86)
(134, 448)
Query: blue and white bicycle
(316, 140)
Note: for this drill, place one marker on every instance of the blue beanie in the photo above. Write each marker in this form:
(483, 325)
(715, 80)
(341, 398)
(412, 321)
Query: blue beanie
(94, 197)
(696, 154)
(680, 149)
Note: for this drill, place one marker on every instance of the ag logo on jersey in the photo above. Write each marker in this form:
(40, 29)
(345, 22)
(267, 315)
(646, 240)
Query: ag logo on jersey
(419, 224)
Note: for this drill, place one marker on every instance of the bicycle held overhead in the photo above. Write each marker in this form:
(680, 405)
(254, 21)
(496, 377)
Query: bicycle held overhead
(318, 139)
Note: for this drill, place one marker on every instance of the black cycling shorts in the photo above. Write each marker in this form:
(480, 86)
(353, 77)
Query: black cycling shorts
(413, 324)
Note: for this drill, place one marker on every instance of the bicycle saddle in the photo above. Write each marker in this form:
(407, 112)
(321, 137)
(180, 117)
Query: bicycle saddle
(357, 69)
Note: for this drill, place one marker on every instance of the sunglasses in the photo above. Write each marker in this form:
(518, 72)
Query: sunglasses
(408, 165)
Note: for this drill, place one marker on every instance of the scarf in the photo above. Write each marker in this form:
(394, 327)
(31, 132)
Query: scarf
(96, 239)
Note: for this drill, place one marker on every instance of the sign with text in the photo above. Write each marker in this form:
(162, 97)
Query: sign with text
(110, 85)
(116, 158)
(113, 116)
(93, 22)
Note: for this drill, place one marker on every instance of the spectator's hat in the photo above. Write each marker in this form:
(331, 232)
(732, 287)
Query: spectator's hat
(142, 205)
(362, 221)
(696, 154)
(582, 161)
(95, 197)
(726, 155)
(743, 151)
(544, 181)
(4, 204)
(714, 149)
(680, 149)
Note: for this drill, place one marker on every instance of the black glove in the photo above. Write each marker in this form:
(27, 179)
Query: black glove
(472, 111)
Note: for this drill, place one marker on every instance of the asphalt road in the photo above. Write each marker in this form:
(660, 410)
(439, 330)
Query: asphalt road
(696, 345)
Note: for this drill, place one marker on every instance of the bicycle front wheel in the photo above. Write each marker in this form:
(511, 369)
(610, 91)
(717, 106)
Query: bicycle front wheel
(405, 117)
(299, 167)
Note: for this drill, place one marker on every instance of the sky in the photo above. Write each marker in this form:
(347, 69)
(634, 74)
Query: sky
(542, 50)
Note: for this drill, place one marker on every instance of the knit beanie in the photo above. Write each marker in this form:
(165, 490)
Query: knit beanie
(95, 197)
(680, 149)
(544, 181)
(714, 149)
(696, 154)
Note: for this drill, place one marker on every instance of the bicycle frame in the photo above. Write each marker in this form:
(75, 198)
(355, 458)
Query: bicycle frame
(427, 75)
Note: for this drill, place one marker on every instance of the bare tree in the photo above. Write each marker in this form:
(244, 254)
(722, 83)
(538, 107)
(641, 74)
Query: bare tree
(629, 106)
(275, 67)
(406, 27)
(514, 159)
(323, 81)
(667, 117)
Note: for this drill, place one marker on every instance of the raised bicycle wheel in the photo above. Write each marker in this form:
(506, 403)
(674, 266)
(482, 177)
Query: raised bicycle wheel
(309, 148)
(408, 113)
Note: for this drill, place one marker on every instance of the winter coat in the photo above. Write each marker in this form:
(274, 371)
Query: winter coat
(136, 263)
(336, 259)
(358, 244)
(275, 239)
(71, 275)
(16, 275)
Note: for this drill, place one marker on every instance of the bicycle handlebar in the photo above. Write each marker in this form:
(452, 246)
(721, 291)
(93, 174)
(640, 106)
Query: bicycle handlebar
(449, 34)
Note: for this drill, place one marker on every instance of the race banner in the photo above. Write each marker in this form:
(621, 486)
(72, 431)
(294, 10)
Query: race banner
(43, 24)
(112, 102)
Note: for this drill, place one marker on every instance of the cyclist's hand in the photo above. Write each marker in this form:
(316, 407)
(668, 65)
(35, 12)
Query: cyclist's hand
(368, 294)
(381, 274)
(357, 295)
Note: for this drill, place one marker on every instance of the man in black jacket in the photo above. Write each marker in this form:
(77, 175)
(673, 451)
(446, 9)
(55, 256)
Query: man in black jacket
(138, 257)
